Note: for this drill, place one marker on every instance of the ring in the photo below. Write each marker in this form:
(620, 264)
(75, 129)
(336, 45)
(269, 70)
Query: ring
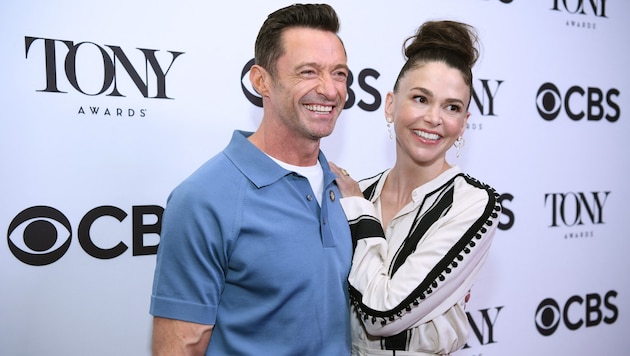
(344, 172)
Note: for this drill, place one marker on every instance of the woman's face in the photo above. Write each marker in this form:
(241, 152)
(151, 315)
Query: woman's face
(429, 111)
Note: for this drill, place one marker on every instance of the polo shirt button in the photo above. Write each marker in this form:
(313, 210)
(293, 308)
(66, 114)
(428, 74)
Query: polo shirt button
(332, 195)
(309, 197)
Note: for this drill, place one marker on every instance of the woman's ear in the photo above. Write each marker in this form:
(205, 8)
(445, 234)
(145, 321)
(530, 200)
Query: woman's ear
(389, 107)
(464, 124)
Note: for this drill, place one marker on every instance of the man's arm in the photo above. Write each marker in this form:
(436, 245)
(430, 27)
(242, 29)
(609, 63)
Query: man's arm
(180, 338)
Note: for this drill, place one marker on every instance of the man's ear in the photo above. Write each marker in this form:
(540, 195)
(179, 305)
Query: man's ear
(260, 79)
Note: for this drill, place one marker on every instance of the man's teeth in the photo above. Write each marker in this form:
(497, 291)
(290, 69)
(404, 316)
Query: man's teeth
(426, 135)
(319, 108)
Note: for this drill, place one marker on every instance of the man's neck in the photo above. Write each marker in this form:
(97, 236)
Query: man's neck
(286, 148)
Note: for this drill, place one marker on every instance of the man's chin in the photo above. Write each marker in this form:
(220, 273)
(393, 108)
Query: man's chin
(323, 133)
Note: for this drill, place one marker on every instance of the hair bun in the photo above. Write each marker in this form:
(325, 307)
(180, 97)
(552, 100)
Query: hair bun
(453, 37)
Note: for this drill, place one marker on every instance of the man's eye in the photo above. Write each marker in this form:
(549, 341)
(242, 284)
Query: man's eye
(341, 75)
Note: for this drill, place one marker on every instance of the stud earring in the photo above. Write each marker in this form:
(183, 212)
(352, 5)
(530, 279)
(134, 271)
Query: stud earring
(459, 143)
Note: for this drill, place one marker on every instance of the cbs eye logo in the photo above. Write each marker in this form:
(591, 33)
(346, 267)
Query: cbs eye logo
(35, 237)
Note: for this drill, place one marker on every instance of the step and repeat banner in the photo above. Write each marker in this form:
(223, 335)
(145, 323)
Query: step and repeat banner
(106, 106)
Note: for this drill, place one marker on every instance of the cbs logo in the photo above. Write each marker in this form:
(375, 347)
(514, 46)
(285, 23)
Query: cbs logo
(41, 235)
(576, 312)
(592, 103)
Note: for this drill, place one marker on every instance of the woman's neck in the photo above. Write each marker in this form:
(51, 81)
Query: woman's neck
(400, 183)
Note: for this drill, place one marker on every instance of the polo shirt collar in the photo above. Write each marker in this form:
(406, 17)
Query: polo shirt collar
(257, 166)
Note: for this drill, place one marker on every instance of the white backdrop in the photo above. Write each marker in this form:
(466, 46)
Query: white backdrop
(101, 118)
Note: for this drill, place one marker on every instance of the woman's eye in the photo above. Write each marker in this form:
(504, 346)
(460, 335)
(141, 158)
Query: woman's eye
(420, 99)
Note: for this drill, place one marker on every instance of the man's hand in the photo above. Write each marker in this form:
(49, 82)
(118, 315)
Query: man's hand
(347, 186)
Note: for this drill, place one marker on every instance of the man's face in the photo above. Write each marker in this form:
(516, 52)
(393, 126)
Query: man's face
(309, 88)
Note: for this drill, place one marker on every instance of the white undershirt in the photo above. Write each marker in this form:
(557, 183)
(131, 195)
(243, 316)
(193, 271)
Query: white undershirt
(314, 174)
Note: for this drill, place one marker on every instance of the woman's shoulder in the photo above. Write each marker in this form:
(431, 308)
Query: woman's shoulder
(474, 193)
(466, 181)
(371, 181)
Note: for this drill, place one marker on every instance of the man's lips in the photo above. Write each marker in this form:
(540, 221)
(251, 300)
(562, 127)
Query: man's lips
(320, 109)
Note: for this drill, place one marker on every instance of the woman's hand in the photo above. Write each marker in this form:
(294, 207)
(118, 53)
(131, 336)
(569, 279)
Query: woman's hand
(347, 186)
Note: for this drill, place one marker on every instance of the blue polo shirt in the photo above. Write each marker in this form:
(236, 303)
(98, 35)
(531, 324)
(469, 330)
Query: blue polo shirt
(245, 246)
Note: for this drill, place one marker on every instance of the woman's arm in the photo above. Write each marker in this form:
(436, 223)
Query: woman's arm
(437, 274)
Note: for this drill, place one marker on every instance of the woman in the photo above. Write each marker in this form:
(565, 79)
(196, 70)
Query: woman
(422, 229)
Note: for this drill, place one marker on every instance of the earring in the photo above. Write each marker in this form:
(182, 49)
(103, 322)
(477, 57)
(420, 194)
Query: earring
(459, 143)
(389, 127)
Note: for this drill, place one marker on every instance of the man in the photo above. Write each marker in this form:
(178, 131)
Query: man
(255, 248)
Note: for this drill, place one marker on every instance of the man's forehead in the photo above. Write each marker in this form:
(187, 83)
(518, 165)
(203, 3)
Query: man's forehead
(315, 44)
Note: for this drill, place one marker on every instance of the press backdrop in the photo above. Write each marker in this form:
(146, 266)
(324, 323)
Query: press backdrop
(106, 106)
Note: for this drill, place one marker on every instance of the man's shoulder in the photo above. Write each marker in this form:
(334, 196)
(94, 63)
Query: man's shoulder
(216, 175)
